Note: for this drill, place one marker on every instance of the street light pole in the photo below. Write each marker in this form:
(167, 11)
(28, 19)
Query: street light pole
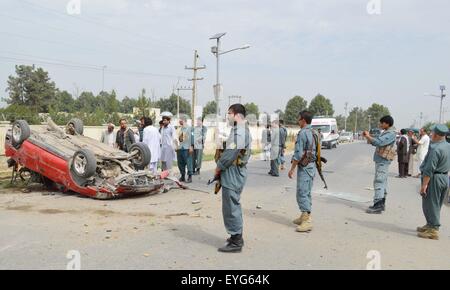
(346, 108)
(442, 100)
(217, 52)
(103, 77)
(442, 96)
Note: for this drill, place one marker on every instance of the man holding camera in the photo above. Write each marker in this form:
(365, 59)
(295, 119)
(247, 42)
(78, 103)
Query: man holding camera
(384, 155)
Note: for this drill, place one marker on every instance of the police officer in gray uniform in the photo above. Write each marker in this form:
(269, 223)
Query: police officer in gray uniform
(384, 154)
(231, 167)
(435, 184)
(305, 147)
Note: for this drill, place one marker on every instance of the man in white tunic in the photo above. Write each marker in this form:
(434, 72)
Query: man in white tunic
(422, 148)
(168, 137)
(152, 138)
(108, 136)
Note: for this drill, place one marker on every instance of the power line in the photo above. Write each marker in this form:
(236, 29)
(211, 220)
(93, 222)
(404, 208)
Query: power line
(65, 44)
(86, 19)
(89, 67)
(124, 45)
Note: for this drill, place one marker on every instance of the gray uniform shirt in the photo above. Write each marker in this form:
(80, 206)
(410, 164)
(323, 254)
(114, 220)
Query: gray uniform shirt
(234, 177)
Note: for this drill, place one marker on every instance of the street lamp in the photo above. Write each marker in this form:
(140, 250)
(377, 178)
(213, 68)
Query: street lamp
(217, 52)
(103, 77)
(442, 96)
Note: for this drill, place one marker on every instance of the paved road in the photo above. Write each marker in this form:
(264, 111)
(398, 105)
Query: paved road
(37, 230)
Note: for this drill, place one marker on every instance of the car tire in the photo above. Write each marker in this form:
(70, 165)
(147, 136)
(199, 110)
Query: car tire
(144, 155)
(84, 163)
(77, 125)
(20, 132)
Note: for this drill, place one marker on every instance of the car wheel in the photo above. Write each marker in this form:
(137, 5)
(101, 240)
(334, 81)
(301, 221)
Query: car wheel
(143, 155)
(84, 163)
(20, 132)
(77, 125)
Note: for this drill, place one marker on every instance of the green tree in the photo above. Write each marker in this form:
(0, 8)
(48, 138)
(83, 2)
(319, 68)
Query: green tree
(143, 104)
(108, 102)
(293, 108)
(170, 105)
(356, 120)
(20, 112)
(428, 126)
(321, 106)
(210, 108)
(376, 112)
(127, 105)
(31, 87)
(86, 102)
(252, 108)
(341, 122)
(280, 114)
(64, 102)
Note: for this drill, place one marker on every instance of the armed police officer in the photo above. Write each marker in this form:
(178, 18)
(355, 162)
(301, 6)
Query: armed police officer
(305, 158)
(231, 167)
(384, 155)
(435, 184)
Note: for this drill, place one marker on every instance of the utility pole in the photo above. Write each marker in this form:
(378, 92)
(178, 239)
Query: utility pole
(421, 118)
(346, 109)
(442, 100)
(103, 77)
(178, 98)
(356, 120)
(370, 124)
(194, 80)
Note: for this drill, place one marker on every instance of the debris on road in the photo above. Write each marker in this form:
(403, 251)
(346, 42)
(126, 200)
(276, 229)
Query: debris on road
(177, 214)
(196, 202)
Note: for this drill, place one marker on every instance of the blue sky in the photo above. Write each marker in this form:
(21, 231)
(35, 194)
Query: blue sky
(298, 48)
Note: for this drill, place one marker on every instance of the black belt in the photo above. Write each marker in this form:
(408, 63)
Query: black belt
(440, 173)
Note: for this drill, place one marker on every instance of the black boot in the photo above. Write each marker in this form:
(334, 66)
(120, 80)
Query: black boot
(384, 204)
(377, 208)
(189, 180)
(234, 245)
(182, 179)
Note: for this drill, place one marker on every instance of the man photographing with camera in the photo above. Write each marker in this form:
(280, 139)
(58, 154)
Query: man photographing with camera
(384, 155)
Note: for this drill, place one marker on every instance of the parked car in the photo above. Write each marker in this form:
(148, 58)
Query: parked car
(72, 162)
(346, 137)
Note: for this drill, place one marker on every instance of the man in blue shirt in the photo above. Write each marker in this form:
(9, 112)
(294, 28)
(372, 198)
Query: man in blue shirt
(305, 147)
(384, 155)
(232, 169)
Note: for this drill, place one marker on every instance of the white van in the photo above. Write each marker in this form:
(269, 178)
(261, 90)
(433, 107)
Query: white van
(328, 128)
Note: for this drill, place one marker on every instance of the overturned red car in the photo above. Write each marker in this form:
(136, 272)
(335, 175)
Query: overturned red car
(72, 162)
